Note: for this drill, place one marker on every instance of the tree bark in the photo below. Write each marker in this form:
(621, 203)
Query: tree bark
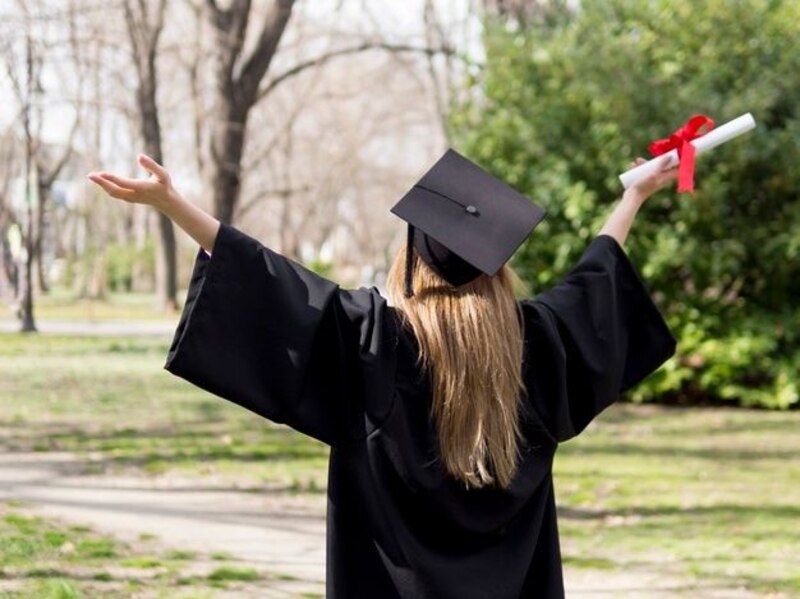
(43, 194)
(144, 36)
(27, 321)
(239, 87)
(236, 92)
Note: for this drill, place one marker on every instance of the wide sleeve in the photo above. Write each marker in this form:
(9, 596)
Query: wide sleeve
(592, 336)
(264, 332)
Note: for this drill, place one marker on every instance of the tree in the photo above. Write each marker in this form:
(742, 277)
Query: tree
(49, 166)
(525, 13)
(26, 86)
(238, 76)
(564, 106)
(145, 23)
(240, 85)
(8, 266)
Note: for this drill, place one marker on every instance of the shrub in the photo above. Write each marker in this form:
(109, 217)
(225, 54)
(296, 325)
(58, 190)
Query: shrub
(562, 107)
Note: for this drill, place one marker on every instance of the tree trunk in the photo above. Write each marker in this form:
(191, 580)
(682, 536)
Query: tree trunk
(8, 265)
(225, 163)
(144, 36)
(166, 254)
(41, 207)
(28, 325)
(237, 92)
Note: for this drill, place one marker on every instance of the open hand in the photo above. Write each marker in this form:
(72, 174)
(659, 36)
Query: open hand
(156, 191)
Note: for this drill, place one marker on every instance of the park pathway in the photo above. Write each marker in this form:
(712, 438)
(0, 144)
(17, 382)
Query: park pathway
(275, 535)
(279, 534)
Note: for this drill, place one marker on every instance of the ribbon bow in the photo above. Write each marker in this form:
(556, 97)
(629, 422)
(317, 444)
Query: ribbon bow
(681, 140)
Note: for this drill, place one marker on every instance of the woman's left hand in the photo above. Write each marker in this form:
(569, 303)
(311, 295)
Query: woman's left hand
(661, 178)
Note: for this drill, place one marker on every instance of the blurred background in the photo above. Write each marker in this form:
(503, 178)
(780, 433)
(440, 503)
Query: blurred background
(302, 123)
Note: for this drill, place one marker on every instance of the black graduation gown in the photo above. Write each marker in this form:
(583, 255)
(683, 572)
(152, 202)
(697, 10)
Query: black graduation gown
(264, 332)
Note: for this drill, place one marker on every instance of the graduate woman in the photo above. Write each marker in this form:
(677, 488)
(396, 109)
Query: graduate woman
(443, 411)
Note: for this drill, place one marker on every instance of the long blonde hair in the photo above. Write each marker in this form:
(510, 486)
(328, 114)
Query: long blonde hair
(470, 340)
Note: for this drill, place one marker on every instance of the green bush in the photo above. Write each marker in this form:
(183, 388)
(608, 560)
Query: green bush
(123, 259)
(562, 107)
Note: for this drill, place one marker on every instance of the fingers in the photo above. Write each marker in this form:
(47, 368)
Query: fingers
(134, 190)
(154, 168)
(666, 177)
(125, 182)
(111, 188)
(664, 164)
(638, 162)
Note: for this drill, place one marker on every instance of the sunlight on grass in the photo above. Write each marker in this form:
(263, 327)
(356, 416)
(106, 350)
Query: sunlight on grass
(712, 494)
(109, 398)
(43, 559)
(62, 304)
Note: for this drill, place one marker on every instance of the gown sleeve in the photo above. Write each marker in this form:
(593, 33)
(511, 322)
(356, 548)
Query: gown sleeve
(594, 335)
(264, 332)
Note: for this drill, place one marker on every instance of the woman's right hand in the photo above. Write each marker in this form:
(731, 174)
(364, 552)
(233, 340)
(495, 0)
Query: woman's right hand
(156, 191)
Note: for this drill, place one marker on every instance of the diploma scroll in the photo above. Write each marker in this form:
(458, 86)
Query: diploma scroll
(710, 140)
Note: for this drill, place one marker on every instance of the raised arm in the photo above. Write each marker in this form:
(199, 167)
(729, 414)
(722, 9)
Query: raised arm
(619, 223)
(158, 192)
(597, 332)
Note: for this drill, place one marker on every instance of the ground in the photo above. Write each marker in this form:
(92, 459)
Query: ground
(198, 498)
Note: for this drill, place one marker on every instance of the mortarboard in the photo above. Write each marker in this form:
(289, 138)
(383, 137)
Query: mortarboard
(463, 221)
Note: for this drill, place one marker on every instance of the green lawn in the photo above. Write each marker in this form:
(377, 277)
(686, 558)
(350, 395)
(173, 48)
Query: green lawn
(48, 559)
(710, 492)
(110, 399)
(704, 493)
(61, 304)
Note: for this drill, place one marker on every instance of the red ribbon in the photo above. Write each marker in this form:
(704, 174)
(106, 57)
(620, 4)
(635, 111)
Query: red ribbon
(680, 140)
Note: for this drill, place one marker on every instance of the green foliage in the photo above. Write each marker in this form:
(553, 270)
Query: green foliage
(563, 107)
(322, 267)
(123, 259)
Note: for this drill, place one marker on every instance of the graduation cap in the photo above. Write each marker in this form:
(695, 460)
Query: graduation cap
(463, 221)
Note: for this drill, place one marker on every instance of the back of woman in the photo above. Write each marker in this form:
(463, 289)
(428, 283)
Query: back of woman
(443, 412)
(464, 533)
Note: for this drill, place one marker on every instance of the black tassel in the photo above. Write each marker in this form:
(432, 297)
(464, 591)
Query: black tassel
(410, 262)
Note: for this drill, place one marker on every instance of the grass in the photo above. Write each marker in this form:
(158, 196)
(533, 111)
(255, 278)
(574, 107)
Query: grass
(709, 494)
(221, 556)
(62, 304)
(110, 400)
(233, 573)
(46, 559)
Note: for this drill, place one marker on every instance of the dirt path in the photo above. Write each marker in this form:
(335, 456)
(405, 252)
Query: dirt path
(276, 535)
(281, 535)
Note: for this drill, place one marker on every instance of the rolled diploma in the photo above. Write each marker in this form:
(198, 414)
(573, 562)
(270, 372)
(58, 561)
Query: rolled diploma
(710, 140)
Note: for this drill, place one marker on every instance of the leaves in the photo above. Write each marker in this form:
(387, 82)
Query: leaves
(563, 108)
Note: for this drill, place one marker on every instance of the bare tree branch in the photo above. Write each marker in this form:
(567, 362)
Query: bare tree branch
(262, 195)
(212, 6)
(231, 28)
(261, 57)
(322, 59)
(48, 177)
